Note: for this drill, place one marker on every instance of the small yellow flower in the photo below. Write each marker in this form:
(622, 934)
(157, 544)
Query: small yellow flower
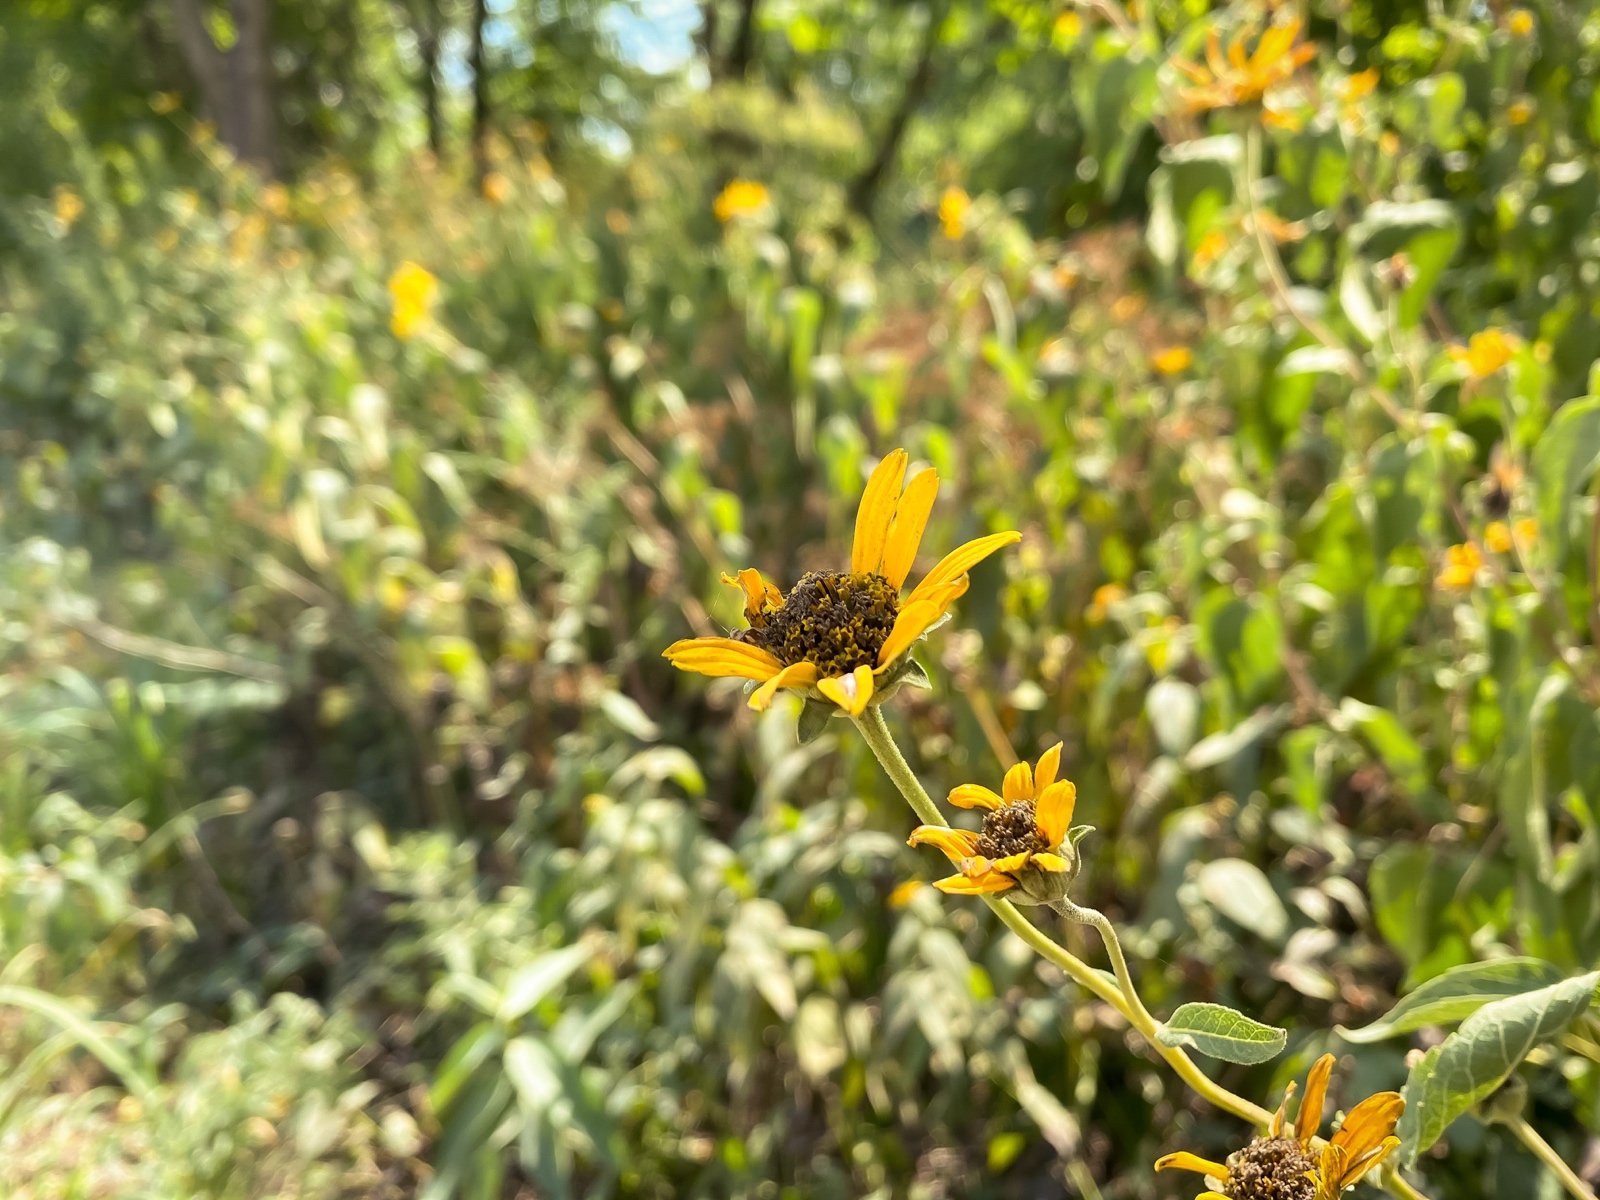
(844, 637)
(901, 896)
(1065, 275)
(68, 206)
(741, 198)
(1212, 247)
(1359, 86)
(1389, 143)
(496, 188)
(1281, 1163)
(1238, 78)
(1100, 603)
(1279, 230)
(412, 289)
(1461, 564)
(1520, 22)
(1525, 532)
(1068, 26)
(1520, 112)
(1173, 360)
(953, 207)
(1027, 843)
(1497, 536)
(1486, 352)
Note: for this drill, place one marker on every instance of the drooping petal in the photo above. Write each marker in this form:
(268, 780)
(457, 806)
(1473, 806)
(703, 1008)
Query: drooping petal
(974, 795)
(1053, 863)
(850, 692)
(722, 656)
(1356, 1170)
(909, 625)
(961, 560)
(1275, 1127)
(877, 511)
(910, 519)
(1310, 1118)
(758, 593)
(1018, 783)
(1045, 773)
(961, 885)
(1053, 811)
(1012, 863)
(1369, 1124)
(1182, 1160)
(796, 675)
(957, 844)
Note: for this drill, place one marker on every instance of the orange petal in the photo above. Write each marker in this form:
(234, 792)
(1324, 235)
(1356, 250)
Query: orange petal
(1045, 773)
(1310, 1118)
(850, 692)
(974, 795)
(961, 885)
(961, 560)
(1053, 811)
(1018, 783)
(1353, 1173)
(876, 511)
(1184, 1161)
(910, 519)
(1369, 1124)
(722, 656)
(796, 675)
(957, 844)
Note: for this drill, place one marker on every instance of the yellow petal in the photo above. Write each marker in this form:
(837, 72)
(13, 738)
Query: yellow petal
(1275, 1128)
(910, 519)
(850, 692)
(1310, 1118)
(1353, 1173)
(1184, 1161)
(796, 675)
(974, 795)
(1053, 863)
(876, 511)
(1045, 773)
(909, 625)
(1018, 783)
(957, 844)
(960, 885)
(961, 560)
(749, 581)
(1369, 1124)
(722, 656)
(1053, 811)
(1011, 863)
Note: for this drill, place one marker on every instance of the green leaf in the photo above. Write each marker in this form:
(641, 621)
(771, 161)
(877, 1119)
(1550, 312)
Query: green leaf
(539, 979)
(1223, 1033)
(1399, 751)
(1242, 893)
(1477, 1058)
(1563, 461)
(1456, 994)
(534, 1072)
(85, 1034)
(814, 717)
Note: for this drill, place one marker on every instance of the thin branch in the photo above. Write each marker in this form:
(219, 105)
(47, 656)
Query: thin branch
(177, 656)
(1542, 1150)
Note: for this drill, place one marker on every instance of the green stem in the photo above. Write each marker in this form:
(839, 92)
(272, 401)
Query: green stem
(1547, 1155)
(1142, 1019)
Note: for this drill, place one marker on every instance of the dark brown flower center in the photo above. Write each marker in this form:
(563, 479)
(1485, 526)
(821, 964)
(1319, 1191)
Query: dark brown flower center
(1012, 829)
(1271, 1169)
(838, 621)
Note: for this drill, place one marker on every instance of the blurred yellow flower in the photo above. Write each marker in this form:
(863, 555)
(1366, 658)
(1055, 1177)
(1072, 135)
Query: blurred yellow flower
(1126, 308)
(1239, 78)
(901, 896)
(1068, 26)
(1211, 248)
(1389, 143)
(68, 206)
(496, 188)
(1497, 536)
(953, 206)
(1065, 275)
(1461, 564)
(1520, 112)
(741, 198)
(412, 289)
(1525, 532)
(1520, 22)
(1279, 230)
(1100, 603)
(1486, 352)
(1173, 360)
(1359, 85)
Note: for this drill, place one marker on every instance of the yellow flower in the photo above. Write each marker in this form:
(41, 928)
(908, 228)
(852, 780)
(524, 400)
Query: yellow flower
(953, 206)
(1525, 532)
(1027, 842)
(1389, 143)
(1100, 603)
(1359, 85)
(1239, 78)
(741, 198)
(1461, 564)
(1497, 536)
(1068, 26)
(1520, 112)
(496, 188)
(901, 896)
(68, 206)
(412, 289)
(1275, 1165)
(1173, 360)
(1212, 247)
(1279, 230)
(1486, 352)
(1520, 22)
(842, 636)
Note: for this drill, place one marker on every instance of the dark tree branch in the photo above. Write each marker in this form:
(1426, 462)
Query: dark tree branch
(744, 42)
(864, 192)
(428, 48)
(706, 38)
(480, 93)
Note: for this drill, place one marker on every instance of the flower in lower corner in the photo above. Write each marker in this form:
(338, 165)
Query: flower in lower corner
(1027, 844)
(844, 636)
(1284, 1165)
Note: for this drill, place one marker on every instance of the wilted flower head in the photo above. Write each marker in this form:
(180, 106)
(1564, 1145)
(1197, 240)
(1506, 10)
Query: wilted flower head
(1238, 78)
(412, 290)
(741, 198)
(1285, 1166)
(1027, 842)
(844, 637)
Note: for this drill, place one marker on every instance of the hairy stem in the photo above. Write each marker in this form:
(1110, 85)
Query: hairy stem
(1546, 1154)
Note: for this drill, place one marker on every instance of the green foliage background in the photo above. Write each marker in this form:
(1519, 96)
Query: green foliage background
(356, 841)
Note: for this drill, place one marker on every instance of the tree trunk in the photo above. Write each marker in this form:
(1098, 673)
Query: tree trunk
(428, 47)
(480, 93)
(707, 37)
(865, 189)
(744, 42)
(235, 84)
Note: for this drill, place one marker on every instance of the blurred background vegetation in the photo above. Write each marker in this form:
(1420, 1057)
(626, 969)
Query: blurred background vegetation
(356, 841)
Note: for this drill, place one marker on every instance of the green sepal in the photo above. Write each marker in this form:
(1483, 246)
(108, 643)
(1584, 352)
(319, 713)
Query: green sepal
(814, 717)
(1076, 834)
